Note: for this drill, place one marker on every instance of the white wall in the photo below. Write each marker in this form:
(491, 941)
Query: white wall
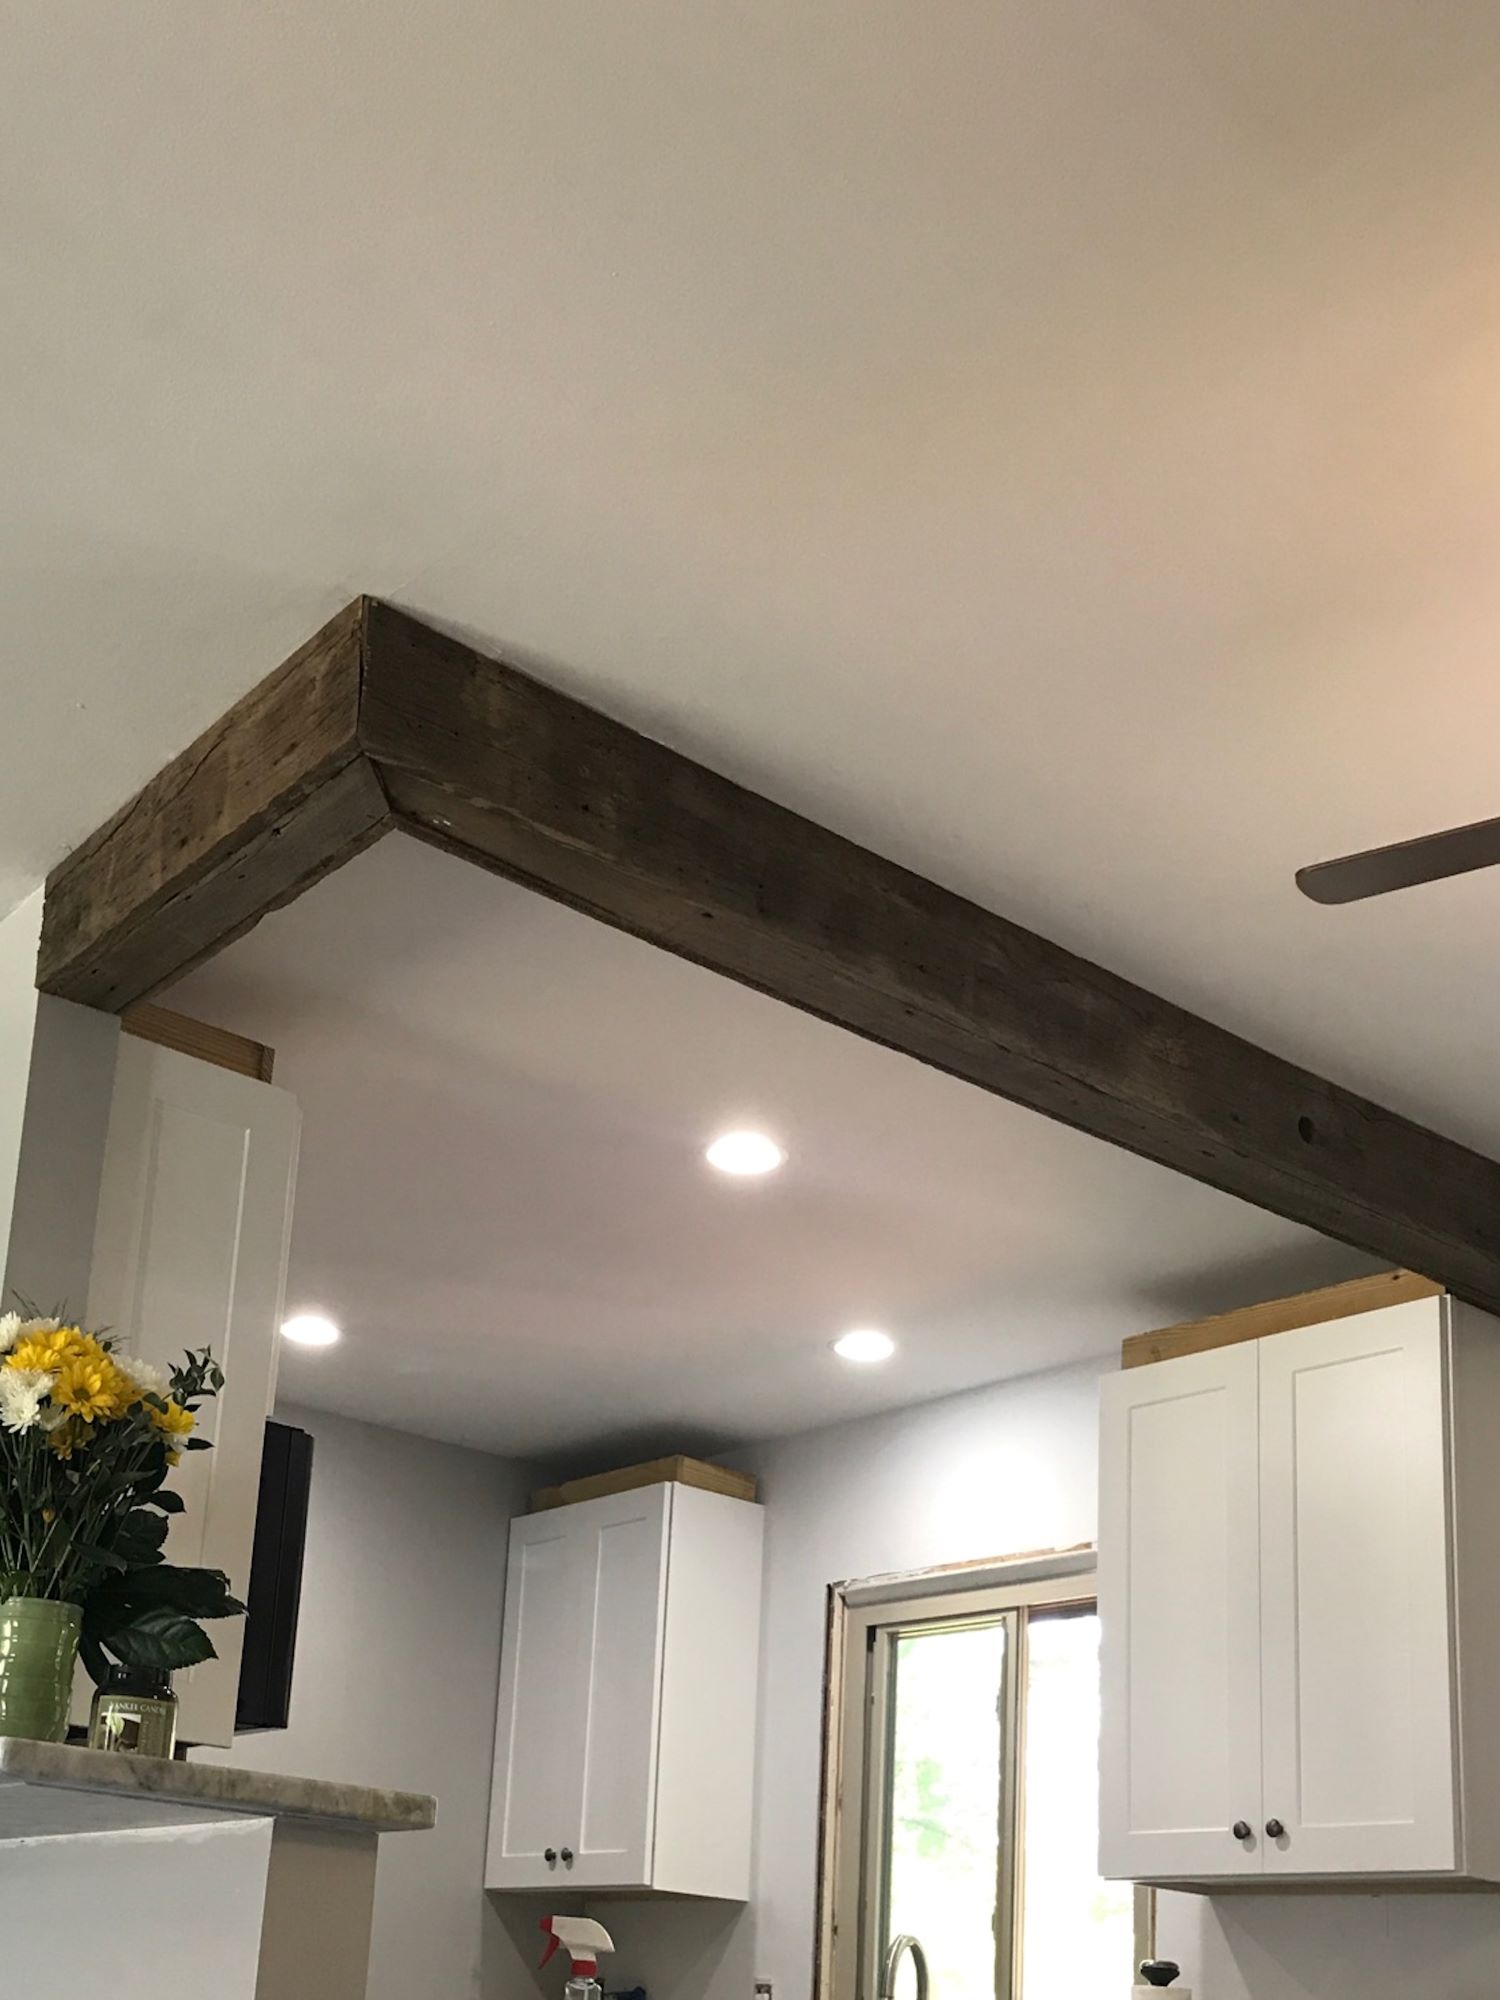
(398, 1656)
(989, 1474)
(135, 1916)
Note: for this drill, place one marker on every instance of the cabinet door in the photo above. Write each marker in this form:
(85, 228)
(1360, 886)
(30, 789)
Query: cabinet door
(1180, 1613)
(539, 1733)
(580, 1688)
(623, 1563)
(190, 1250)
(1356, 1654)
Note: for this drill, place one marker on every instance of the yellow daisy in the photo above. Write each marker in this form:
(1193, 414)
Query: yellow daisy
(174, 1419)
(50, 1349)
(93, 1391)
(175, 1423)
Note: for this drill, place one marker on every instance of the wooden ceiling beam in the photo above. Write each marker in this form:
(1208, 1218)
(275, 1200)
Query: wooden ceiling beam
(496, 767)
(276, 794)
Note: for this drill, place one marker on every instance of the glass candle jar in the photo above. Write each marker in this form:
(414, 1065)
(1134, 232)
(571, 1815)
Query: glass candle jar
(135, 1712)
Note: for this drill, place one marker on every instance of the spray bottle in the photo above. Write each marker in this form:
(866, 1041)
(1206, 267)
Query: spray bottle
(583, 1940)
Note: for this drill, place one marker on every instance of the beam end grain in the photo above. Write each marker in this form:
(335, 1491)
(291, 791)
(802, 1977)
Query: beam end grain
(272, 797)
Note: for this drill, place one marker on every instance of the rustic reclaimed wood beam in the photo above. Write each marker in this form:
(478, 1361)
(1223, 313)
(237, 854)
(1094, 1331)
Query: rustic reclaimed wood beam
(382, 722)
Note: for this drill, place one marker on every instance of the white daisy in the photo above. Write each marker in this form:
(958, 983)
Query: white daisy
(10, 1327)
(22, 1392)
(26, 1327)
(146, 1376)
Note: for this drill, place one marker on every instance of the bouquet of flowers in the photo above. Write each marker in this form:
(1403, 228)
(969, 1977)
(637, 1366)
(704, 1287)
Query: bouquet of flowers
(88, 1436)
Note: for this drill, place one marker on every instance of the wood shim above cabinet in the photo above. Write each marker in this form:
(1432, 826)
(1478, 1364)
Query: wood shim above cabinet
(655, 1472)
(220, 1046)
(1198, 1336)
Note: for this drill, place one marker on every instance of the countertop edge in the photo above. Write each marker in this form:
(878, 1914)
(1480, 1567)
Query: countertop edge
(216, 1788)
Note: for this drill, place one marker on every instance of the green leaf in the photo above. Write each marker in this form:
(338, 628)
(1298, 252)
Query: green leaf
(140, 1537)
(199, 1593)
(166, 1501)
(162, 1639)
(92, 1655)
(106, 1558)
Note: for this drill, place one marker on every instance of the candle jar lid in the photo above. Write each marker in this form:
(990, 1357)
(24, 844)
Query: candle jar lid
(143, 1683)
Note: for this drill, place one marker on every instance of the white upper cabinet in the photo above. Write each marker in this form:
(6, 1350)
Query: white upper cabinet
(624, 1749)
(190, 1250)
(1299, 1639)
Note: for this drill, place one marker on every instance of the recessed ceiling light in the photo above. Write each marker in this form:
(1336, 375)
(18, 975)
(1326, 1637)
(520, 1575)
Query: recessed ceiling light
(865, 1344)
(745, 1153)
(309, 1330)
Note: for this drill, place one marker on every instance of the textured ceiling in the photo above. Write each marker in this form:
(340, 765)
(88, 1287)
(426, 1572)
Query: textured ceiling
(503, 1199)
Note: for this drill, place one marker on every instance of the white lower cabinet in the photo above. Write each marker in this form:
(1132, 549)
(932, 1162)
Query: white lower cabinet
(624, 1748)
(1300, 1639)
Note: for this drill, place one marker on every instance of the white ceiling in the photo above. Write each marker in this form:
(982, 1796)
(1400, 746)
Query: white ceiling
(1057, 444)
(503, 1199)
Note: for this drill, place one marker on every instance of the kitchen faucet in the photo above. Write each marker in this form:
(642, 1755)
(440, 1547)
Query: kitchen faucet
(900, 1945)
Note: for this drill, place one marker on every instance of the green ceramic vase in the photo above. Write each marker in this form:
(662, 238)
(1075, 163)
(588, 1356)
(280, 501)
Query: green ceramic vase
(38, 1646)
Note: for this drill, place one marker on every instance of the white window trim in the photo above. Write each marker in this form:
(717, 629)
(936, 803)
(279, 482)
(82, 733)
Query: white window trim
(1055, 1577)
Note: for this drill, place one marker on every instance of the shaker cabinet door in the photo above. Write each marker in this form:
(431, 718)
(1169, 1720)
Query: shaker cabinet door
(539, 1734)
(190, 1250)
(1180, 1619)
(1356, 1652)
(624, 1573)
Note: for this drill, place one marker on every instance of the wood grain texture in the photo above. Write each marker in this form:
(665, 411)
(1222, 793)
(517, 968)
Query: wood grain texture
(271, 798)
(381, 720)
(655, 1472)
(220, 1046)
(494, 766)
(1356, 1295)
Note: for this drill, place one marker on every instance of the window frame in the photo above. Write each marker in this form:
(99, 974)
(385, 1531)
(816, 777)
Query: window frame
(864, 1619)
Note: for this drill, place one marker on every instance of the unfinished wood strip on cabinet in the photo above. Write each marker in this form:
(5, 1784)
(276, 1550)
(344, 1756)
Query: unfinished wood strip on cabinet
(656, 1472)
(199, 1038)
(1357, 1295)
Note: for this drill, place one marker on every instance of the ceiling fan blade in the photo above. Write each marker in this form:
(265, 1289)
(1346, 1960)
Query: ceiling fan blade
(1403, 865)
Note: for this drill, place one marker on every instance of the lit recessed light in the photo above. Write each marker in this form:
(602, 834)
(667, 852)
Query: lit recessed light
(866, 1344)
(309, 1330)
(745, 1153)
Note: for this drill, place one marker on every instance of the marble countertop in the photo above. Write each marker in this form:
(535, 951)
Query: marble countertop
(51, 1790)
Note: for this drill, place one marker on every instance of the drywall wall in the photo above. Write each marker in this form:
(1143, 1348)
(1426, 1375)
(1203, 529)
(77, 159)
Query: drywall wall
(398, 1658)
(991, 1473)
(134, 1915)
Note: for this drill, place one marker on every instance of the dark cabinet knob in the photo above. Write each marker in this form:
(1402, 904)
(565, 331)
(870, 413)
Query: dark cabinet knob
(1160, 1971)
(549, 1855)
(1241, 1829)
(1274, 1829)
(567, 1855)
